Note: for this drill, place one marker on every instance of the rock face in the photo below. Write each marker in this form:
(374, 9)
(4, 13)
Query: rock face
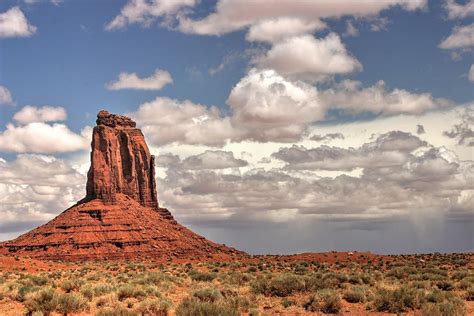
(120, 162)
(119, 218)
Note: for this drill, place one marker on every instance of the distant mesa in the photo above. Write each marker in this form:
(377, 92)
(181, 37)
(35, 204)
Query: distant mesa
(120, 217)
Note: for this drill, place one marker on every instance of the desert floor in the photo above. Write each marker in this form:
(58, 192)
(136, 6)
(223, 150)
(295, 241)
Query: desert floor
(313, 283)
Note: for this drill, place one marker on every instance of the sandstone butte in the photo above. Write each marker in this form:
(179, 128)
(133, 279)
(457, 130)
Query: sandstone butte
(120, 217)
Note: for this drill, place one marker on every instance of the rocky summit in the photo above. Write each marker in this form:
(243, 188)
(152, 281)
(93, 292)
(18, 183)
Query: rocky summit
(120, 217)
(120, 162)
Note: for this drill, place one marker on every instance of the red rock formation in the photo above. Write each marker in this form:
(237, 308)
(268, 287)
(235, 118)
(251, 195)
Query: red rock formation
(120, 217)
(120, 162)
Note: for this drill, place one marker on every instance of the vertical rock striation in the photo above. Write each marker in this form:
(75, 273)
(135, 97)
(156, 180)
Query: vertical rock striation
(120, 162)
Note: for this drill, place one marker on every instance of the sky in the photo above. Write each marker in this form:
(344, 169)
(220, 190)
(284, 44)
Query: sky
(278, 126)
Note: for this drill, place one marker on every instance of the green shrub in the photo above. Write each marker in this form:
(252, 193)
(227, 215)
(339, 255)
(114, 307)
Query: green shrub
(23, 291)
(459, 275)
(71, 302)
(128, 291)
(445, 285)
(115, 311)
(287, 302)
(194, 307)
(355, 295)
(107, 300)
(102, 288)
(87, 291)
(452, 307)
(202, 276)
(44, 300)
(330, 302)
(152, 278)
(71, 285)
(355, 279)
(327, 301)
(435, 296)
(154, 307)
(237, 278)
(209, 295)
(398, 300)
(36, 280)
(320, 281)
(282, 285)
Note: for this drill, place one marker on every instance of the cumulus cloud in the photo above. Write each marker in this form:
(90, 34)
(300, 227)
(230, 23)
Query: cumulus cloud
(270, 107)
(462, 37)
(208, 160)
(35, 188)
(350, 96)
(31, 114)
(13, 23)
(157, 81)
(144, 12)
(233, 15)
(470, 76)
(39, 137)
(307, 58)
(463, 132)
(274, 30)
(401, 175)
(166, 120)
(5, 96)
(213, 160)
(389, 149)
(457, 10)
(327, 137)
(264, 107)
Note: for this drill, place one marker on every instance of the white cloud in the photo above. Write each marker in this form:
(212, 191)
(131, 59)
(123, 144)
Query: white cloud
(166, 120)
(307, 58)
(144, 12)
(462, 37)
(470, 76)
(40, 137)
(327, 137)
(350, 96)
(264, 107)
(401, 175)
(5, 96)
(274, 30)
(463, 131)
(13, 23)
(54, 2)
(269, 107)
(31, 114)
(157, 81)
(457, 10)
(35, 188)
(213, 159)
(393, 148)
(233, 15)
(351, 30)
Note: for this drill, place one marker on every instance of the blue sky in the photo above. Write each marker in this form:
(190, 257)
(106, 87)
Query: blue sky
(421, 50)
(70, 58)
